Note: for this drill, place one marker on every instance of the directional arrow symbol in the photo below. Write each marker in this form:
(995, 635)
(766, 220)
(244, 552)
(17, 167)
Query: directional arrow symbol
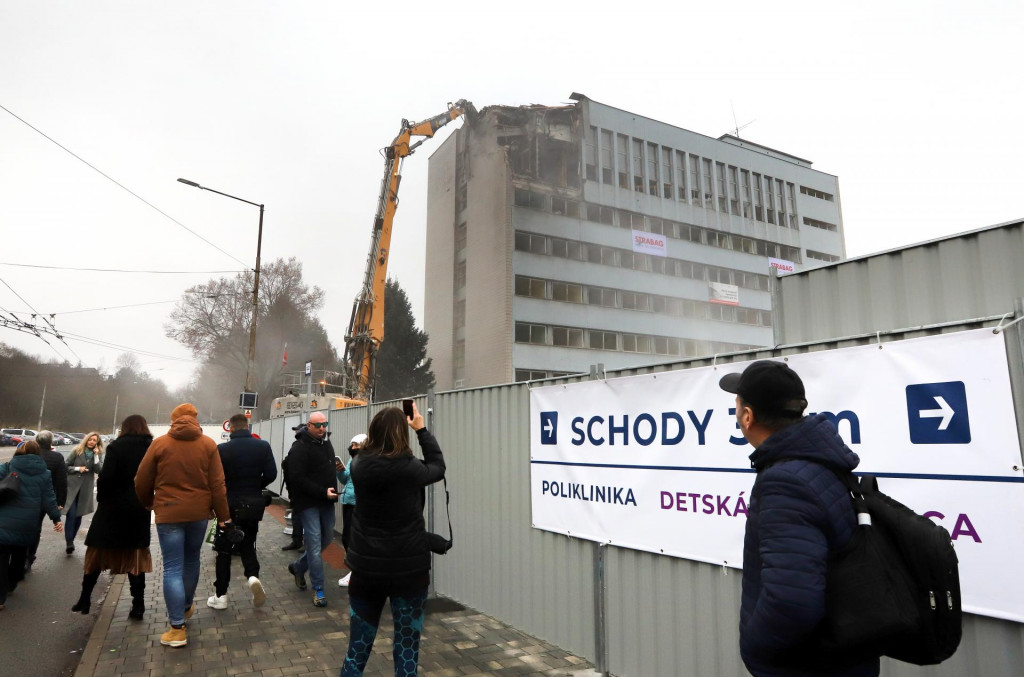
(549, 427)
(945, 412)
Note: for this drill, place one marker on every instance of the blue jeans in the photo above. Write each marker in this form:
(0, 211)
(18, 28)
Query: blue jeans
(179, 546)
(318, 533)
(72, 522)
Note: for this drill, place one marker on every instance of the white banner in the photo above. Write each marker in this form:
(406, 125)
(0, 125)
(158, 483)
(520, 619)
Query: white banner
(783, 265)
(649, 243)
(656, 463)
(726, 294)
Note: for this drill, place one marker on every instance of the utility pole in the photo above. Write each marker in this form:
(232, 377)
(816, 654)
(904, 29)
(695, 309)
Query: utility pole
(117, 398)
(42, 404)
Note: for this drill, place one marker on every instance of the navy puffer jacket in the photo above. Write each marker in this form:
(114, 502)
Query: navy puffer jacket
(19, 517)
(799, 511)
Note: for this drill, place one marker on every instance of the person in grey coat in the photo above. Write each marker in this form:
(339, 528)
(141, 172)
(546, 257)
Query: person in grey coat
(83, 465)
(19, 515)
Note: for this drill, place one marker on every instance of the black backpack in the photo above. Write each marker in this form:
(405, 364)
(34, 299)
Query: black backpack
(894, 590)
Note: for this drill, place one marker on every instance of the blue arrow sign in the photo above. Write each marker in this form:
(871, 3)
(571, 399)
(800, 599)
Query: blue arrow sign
(549, 427)
(937, 413)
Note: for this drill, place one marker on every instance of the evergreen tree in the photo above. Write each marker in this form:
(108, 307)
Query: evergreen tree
(403, 368)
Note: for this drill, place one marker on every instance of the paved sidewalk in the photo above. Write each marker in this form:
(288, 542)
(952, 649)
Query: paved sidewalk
(289, 636)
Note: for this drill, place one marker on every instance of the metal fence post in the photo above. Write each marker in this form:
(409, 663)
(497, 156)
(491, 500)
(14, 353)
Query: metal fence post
(600, 584)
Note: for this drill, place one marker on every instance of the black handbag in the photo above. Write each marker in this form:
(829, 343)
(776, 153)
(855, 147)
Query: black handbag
(10, 486)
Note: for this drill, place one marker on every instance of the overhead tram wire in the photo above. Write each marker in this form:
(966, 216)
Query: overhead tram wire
(44, 318)
(119, 270)
(117, 183)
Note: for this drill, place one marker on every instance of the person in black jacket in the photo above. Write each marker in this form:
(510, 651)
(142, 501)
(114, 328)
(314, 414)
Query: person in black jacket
(388, 549)
(58, 468)
(248, 468)
(119, 535)
(313, 491)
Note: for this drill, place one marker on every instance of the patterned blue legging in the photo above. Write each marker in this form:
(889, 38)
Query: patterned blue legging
(365, 610)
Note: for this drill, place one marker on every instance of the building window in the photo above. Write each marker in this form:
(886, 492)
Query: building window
(748, 212)
(538, 200)
(706, 184)
(567, 291)
(758, 198)
(791, 204)
(652, 169)
(638, 165)
(528, 242)
(681, 175)
(563, 207)
(459, 361)
(821, 195)
(769, 196)
(530, 286)
(603, 340)
(591, 150)
(531, 375)
(734, 201)
(522, 197)
(599, 296)
(780, 197)
(459, 319)
(695, 180)
(666, 173)
(567, 337)
(607, 151)
(824, 225)
(622, 155)
(636, 343)
(723, 195)
(531, 333)
(460, 275)
(635, 301)
(821, 256)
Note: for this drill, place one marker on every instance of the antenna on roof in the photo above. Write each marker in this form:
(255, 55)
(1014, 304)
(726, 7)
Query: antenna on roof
(735, 131)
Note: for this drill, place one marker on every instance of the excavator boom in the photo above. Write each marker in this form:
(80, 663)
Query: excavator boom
(366, 325)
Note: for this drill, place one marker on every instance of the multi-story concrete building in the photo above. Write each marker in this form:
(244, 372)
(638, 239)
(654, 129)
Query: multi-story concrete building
(561, 237)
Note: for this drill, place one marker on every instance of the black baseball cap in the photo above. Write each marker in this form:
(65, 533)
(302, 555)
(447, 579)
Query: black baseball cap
(770, 387)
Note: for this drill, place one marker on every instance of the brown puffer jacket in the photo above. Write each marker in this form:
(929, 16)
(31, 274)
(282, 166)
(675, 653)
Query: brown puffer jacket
(180, 477)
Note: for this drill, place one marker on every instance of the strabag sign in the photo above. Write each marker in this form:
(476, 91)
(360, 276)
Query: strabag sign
(649, 243)
(656, 463)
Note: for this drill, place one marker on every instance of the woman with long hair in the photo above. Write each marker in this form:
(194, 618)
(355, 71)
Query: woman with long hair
(19, 516)
(118, 538)
(83, 463)
(388, 549)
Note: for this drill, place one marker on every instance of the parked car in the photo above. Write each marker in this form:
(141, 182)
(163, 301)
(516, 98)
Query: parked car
(63, 440)
(9, 440)
(77, 437)
(23, 433)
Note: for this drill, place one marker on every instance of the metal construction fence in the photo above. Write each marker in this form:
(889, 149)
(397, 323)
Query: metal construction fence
(634, 614)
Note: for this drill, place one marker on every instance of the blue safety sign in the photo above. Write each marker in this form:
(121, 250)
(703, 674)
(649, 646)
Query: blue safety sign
(549, 427)
(937, 413)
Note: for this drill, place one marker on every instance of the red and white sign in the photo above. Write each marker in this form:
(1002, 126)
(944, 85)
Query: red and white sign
(783, 265)
(726, 294)
(248, 413)
(226, 426)
(649, 243)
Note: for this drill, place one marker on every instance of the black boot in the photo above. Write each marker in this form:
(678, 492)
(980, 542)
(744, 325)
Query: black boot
(88, 583)
(137, 584)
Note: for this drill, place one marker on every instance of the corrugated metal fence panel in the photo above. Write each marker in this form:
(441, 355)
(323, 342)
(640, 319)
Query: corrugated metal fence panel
(539, 582)
(972, 275)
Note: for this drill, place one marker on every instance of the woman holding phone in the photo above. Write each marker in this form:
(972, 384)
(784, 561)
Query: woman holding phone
(388, 549)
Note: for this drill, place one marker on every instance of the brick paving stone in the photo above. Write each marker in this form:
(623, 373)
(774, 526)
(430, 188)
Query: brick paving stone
(290, 637)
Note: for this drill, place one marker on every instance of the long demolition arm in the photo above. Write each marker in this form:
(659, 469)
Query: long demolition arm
(366, 326)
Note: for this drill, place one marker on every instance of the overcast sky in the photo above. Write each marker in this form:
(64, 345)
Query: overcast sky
(915, 106)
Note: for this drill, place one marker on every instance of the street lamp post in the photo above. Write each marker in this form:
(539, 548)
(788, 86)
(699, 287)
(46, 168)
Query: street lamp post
(256, 281)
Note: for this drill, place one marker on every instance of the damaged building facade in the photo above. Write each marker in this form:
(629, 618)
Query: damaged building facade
(561, 237)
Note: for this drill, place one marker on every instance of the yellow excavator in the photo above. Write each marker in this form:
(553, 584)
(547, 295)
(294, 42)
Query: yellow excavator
(366, 326)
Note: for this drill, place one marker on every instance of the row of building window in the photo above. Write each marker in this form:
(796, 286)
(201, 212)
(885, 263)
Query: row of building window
(571, 292)
(598, 339)
(537, 374)
(677, 175)
(627, 258)
(820, 194)
(821, 256)
(824, 225)
(623, 218)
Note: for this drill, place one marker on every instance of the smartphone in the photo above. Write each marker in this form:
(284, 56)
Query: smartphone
(338, 461)
(407, 408)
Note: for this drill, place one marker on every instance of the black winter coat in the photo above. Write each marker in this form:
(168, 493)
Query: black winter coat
(58, 467)
(389, 537)
(310, 471)
(120, 521)
(799, 511)
(248, 466)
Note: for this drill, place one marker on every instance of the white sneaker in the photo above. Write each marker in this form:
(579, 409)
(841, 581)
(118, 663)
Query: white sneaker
(259, 595)
(216, 602)
(343, 582)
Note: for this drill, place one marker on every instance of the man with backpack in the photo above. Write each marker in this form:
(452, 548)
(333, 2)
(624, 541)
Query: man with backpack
(799, 511)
